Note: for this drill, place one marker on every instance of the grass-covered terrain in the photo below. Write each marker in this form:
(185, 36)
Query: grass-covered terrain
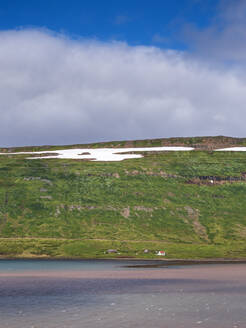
(191, 204)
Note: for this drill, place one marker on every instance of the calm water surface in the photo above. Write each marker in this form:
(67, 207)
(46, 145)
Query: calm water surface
(67, 265)
(107, 294)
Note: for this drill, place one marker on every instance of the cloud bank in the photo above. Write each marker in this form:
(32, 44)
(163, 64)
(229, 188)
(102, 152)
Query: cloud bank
(54, 90)
(225, 38)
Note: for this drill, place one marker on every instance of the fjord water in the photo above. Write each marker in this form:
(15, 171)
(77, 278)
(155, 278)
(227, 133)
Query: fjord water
(90, 294)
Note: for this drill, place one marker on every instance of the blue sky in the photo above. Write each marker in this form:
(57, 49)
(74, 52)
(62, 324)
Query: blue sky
(85, 71)
(157, 22)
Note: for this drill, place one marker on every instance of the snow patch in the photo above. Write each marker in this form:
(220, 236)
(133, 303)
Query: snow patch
(232, 149)
(100, 154)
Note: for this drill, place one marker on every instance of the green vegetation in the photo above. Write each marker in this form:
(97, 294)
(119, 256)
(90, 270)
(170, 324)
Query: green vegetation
(166, 200)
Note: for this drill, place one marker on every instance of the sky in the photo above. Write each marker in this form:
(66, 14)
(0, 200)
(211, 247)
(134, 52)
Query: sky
(85, 71)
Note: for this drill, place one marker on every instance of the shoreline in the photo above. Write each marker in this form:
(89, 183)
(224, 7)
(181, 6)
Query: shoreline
(154, 263)
(233, 272)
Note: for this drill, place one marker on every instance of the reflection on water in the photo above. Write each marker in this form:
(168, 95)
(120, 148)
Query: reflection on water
(111, 303)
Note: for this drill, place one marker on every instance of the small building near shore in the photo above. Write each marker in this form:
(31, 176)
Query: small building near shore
(161, 253)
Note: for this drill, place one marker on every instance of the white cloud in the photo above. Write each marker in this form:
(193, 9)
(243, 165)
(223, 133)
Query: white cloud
(59, 91)
(157, 38)
(122, 19)
(224, 39)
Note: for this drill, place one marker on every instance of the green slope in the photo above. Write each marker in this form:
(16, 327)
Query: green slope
(75, 208)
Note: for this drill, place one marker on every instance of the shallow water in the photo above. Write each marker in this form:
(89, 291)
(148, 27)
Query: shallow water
(65, 265)
(88, 294)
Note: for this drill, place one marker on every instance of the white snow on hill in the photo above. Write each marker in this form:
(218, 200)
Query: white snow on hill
(100, 154)
(232, 149)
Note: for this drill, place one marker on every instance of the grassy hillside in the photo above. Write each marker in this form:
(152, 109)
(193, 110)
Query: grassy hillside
(75, 208)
